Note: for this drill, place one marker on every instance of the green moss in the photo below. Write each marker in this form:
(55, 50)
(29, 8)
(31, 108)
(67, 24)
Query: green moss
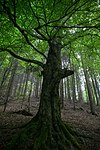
(37, 136)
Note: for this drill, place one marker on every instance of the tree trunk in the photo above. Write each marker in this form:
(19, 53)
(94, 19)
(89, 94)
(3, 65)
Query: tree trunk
(90, 93)
(61, 93)
(10, 84)
(79, 88)
(36, 88)
(25, 89)
(4, 78)
(46, 129)
(49, 101)
(68, 88)
(29, 96)
(20, 84)
(15, 87)
(95, 92)
(65, 90)
(73, 92)
(97, 87)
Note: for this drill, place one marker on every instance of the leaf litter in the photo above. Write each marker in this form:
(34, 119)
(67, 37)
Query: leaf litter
(87, 125)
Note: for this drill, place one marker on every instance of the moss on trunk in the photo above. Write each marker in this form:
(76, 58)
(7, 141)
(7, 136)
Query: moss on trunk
(46, 131)
(38, 135)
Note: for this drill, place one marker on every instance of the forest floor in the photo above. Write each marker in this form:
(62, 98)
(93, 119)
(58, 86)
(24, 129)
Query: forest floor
(87, 125)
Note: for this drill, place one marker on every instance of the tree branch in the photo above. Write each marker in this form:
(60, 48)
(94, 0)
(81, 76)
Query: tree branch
(76, 26)
(22, 31)
(34, 13)
(27, 39)
(66, 73)
(36, 29)
(60, 17)
(21, 58)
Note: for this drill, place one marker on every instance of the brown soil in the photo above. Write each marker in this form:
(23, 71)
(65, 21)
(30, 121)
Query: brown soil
(87, 125)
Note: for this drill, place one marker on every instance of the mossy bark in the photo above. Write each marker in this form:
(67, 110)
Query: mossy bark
(46, 131)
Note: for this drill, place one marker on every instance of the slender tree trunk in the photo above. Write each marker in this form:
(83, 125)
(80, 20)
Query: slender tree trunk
(37, 88)
(10, 84)
(79, 89)
(89, 89)
(65, 90)
(95, 92)
(25, 89)
(97, 87)
(68, 88)
(15, 87)
(73, 92)
(29, 96)
(61, 93)
(4, 77)
(20, 83)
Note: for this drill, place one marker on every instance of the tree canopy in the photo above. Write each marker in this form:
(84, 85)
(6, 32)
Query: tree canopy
(27, 26)
(40, 32)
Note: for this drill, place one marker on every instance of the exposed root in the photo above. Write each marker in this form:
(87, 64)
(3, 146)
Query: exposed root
(37, 136)
(22, 112)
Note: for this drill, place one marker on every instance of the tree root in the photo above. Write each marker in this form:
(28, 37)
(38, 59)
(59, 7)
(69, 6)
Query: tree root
(37, 136)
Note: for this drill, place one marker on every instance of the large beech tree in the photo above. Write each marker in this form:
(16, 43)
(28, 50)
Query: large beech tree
(36, 31)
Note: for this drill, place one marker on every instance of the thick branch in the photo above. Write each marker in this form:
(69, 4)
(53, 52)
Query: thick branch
(66, 73)
(21, 58)
(20, 29)
(27, 39)
(75, 26)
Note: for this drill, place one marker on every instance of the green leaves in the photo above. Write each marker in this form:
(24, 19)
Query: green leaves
(27, 26)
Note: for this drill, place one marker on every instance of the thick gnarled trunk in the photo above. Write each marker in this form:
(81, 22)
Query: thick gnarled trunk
(50, 102)
(46, 129)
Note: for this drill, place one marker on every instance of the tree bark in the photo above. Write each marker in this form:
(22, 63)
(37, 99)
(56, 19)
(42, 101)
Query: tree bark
(79, 88)
(4, 78)
(65, 90)
(36, 88)
(10, 84)
(26, 84)
(73, 92)
(95, 91)
(68, 88)
(97, 87)
(47, 129)
(90, 93)
(29, 96)
(61, 93)
(20, 83)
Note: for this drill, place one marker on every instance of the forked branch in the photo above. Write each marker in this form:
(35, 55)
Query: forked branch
(21, 58)
(22, 31)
